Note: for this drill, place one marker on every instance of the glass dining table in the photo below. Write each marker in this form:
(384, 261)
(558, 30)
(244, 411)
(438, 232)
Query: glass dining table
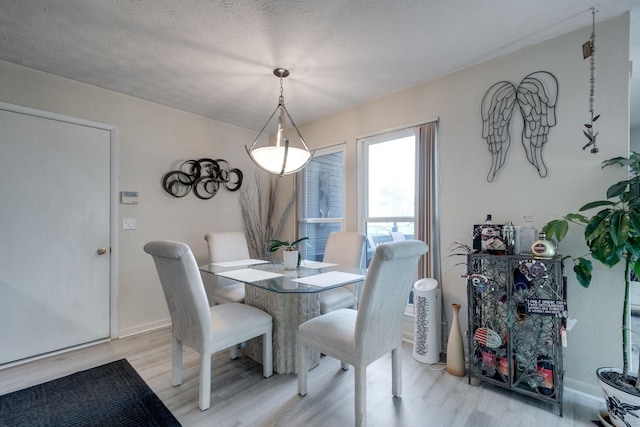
(291, 297)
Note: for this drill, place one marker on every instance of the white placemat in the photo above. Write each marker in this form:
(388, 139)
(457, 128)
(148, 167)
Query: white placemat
(239, 263)
(329, 279)
(249, 275)
(315, 264)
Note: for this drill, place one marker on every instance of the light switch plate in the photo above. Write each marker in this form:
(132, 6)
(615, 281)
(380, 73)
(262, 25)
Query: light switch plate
(128, 223)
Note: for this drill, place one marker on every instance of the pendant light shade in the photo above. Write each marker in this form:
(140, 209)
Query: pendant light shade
(284, 157)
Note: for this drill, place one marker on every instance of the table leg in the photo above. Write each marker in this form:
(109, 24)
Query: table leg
(288, 311)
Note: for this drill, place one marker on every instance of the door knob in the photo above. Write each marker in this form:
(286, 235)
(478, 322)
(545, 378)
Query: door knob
(102, 251)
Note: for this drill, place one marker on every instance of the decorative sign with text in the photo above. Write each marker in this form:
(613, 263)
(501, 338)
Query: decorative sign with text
(546, 307)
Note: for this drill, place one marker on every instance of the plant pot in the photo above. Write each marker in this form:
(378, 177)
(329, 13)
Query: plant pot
(290, 259)
(623, 402)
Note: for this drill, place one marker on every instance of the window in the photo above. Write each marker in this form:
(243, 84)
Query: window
(398, 192)
(321, 200)
(388, 192)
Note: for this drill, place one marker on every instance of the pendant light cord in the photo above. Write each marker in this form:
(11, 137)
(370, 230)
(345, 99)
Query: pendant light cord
(281, 99)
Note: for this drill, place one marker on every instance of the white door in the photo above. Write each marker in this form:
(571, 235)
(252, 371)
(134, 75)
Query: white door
(54, 218)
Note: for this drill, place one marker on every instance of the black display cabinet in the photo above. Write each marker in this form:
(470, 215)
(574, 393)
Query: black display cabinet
(517, 312)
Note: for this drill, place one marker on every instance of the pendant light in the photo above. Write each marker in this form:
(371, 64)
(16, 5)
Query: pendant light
(281, 158)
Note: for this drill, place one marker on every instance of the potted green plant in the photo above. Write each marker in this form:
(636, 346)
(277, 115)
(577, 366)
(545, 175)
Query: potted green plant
(291, 257)
(612, 234)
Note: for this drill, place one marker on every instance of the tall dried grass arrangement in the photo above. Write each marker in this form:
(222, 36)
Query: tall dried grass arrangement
(258, 205)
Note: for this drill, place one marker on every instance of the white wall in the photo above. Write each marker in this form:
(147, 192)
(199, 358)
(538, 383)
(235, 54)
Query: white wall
(152, 138)
(574, 178)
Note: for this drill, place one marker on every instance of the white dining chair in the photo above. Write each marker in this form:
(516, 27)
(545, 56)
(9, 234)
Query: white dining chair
(347, 249)
(226, 246)
(359, 337)
(205, 329)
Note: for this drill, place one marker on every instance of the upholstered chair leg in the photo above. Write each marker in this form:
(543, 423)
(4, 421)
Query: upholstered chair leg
(396, 371)
(301, 367)
(267, 355)
(361, 395)
(205, 381)
(233, 351)
(176, 367)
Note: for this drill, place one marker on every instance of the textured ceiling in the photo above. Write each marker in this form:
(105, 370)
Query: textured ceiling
(215, 57)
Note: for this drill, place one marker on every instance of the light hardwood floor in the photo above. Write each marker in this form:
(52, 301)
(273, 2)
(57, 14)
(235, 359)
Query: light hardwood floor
(240, 396)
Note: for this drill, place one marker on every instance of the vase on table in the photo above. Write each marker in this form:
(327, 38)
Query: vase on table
(455, 345)
(290, 259)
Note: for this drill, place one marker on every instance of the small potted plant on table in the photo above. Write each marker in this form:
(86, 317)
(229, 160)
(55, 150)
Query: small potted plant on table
(291, 256)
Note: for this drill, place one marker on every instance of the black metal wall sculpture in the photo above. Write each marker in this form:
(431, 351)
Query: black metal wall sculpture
(536, 96)
(204, 176)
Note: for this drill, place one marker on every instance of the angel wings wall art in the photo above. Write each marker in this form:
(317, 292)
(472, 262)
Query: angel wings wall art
(536, 96)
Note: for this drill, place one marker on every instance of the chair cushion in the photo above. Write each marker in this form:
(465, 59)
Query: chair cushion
(333, 330)
(333, 299)
(229, 293)
(231, 323)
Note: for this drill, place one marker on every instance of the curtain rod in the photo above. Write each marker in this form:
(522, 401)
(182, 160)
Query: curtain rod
(420, 123)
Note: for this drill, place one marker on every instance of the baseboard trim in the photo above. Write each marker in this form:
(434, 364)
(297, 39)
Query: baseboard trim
(588, 393)
(147, 327)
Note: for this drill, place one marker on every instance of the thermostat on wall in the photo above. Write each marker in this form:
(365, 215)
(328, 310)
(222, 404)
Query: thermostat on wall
(129, 197)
